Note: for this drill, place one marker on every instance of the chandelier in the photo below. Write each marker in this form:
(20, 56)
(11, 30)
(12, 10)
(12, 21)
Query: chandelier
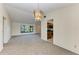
(38, 14)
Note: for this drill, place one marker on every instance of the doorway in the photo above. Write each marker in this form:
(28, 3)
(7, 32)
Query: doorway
(50, 30)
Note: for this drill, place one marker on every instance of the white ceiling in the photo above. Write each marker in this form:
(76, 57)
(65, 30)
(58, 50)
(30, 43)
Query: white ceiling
(23, 12)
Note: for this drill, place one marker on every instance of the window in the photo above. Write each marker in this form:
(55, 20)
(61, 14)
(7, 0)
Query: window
(25, 28)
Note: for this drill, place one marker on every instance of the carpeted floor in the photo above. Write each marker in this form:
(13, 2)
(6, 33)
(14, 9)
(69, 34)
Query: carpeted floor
(32, 45)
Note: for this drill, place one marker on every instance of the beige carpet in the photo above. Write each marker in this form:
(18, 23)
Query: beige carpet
(32, 45)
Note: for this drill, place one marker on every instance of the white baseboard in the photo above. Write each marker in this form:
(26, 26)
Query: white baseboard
(1, 47)
(6, 41)
(44, 40)
(21, 34)
(74, 51)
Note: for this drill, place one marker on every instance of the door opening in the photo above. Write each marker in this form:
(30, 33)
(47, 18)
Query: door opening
(50, 30)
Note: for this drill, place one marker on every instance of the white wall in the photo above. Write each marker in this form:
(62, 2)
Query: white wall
(1, 28)
(66, 27)
(44, 29)
(6, 28)
(16, 29)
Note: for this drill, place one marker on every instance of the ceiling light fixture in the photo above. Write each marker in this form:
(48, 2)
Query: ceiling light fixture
(38, 14)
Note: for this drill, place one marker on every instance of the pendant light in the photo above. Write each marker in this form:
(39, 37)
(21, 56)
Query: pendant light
(38, 14)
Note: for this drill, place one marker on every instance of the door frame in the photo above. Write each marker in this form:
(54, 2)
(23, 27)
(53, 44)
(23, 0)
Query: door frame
(50, 21)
